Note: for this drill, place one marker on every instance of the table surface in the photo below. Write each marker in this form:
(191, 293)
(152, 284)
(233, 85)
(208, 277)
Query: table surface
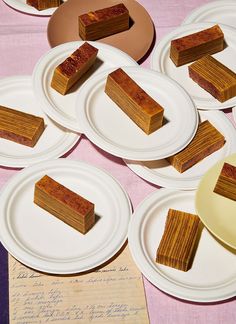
(23, 41)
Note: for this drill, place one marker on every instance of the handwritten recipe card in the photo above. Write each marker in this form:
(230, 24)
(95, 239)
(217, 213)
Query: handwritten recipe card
(112, 294)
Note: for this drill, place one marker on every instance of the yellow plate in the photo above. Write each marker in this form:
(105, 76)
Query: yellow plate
(217, 212)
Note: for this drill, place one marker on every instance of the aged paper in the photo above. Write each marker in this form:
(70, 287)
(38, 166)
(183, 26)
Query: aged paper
(111, 294)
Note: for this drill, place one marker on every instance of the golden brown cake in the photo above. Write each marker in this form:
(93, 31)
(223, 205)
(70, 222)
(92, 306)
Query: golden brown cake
(226, 182)
(43, 4)
(65, 204)
(103, 22)
(177, 244)
(192, 47)
(206, 141)
(73, 68)
(20, 127)
(214, 77)
(134, 101)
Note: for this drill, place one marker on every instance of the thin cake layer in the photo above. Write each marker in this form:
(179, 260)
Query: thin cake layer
(179, 238)
(134, 101)
(214, 77)
(65, 204)
(20, 127)
(206, 141)
(192, 47)
(226, 182)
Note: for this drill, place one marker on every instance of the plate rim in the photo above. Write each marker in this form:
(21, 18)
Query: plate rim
(34, 262)
(198, 193)
(163, 43)
(194, 14)
(39, 73)
(148, 176)
(23, 8)
(156, 278)
(70, 137)
(109, 147)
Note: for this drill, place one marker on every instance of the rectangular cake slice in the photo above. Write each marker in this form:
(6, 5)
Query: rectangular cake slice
(65, 204)
(206, 141)
(103, 22)
(192, 47)
(177, 244)
(73, 67)
(20, 127)
(134, 101)
(43, 4)
(214, 77)
(226, 182)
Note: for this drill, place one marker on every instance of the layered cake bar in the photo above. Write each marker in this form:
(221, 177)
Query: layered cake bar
(103, 22)
(177, 244)
(214, 77)
(192, 47)
(20, 127)
(71, 70)
(134, 101)
(226, 182)
(206, 141)
(65, 204)
(43, 4)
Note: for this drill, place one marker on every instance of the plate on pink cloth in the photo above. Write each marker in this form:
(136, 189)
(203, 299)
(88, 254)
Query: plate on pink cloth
(45, 243)
(160, 61)
(22, 6)
(107, 126)
(136, 41)
(161, 173)
(212, 276)
(62, 108)
(223, 12)
(17, 93)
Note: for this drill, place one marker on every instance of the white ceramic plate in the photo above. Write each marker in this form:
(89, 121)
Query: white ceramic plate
(212, 276)
(217, 212)
(106, 125)
(22, 6)
(62, 108)
(17, 92)
(41, 241)
(223, 12)
(160, 61)
(161, 173)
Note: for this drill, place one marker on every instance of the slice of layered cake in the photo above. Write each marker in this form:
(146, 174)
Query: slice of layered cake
(73, 68)
(20, 127)
(43, 4)
(206, 141)
(134, 101)
(214, 77)
(65, 204)
(226, 182)
(176, 248)
(103, 22)
(192, 47)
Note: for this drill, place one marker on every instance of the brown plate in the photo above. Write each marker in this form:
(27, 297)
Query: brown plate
(63, 26)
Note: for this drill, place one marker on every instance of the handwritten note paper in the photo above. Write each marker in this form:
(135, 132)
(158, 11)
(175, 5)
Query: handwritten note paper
(111, 294)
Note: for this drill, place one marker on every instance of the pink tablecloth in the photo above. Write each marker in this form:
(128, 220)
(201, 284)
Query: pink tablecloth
(22, 41)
